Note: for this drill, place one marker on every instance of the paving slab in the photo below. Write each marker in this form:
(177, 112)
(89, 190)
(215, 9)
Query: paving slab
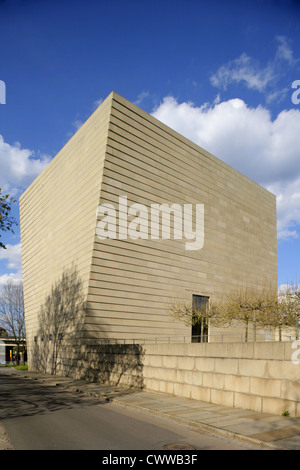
(246, 427)
(277, 434)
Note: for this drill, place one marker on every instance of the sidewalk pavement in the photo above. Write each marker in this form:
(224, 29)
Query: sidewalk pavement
(264, 430)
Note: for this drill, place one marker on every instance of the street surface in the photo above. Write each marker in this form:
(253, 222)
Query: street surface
(39, 416)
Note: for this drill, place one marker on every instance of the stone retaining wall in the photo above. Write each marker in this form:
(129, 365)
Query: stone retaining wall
(258, 376)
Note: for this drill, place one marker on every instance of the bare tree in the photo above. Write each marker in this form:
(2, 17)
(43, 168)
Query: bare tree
(210, 313)
(251, 305)
(246, 305)
(296, 315)
(12, 313)
(288, 314)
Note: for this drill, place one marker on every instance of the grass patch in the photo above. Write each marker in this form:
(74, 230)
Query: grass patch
(20, 367)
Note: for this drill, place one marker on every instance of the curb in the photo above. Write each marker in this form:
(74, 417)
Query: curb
(204, 427)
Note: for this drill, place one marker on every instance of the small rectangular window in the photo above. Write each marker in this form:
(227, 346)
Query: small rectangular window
(200, 322)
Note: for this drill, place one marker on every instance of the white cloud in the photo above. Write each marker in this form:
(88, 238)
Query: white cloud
(263, 78)
(5, 278)
(284, 52)
(12, 256)
(288, 207)
(77, 123)
(19, 166)
(265, 150)
(141, 97)
(243, 69)
(97, 103)
(290, 287)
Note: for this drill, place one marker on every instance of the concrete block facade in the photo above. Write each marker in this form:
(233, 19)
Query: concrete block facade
(80, 287)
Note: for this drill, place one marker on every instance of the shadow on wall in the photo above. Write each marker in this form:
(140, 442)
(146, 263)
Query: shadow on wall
(60, 319)
(116, 364)
(63, 347)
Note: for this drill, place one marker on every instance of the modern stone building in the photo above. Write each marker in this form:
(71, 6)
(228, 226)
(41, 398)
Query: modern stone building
(100, 259)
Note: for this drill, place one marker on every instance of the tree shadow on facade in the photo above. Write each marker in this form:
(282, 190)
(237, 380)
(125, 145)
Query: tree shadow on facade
(63, 346)
(60, 318)
(116, 364)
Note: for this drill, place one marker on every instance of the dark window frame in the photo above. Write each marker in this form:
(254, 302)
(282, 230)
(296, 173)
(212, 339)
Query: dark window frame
(199, 333)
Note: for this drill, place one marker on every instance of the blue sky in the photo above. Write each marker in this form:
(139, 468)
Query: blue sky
(219, 72)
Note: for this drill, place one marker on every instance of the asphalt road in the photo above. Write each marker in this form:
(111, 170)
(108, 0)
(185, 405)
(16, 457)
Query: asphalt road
(38, 416)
